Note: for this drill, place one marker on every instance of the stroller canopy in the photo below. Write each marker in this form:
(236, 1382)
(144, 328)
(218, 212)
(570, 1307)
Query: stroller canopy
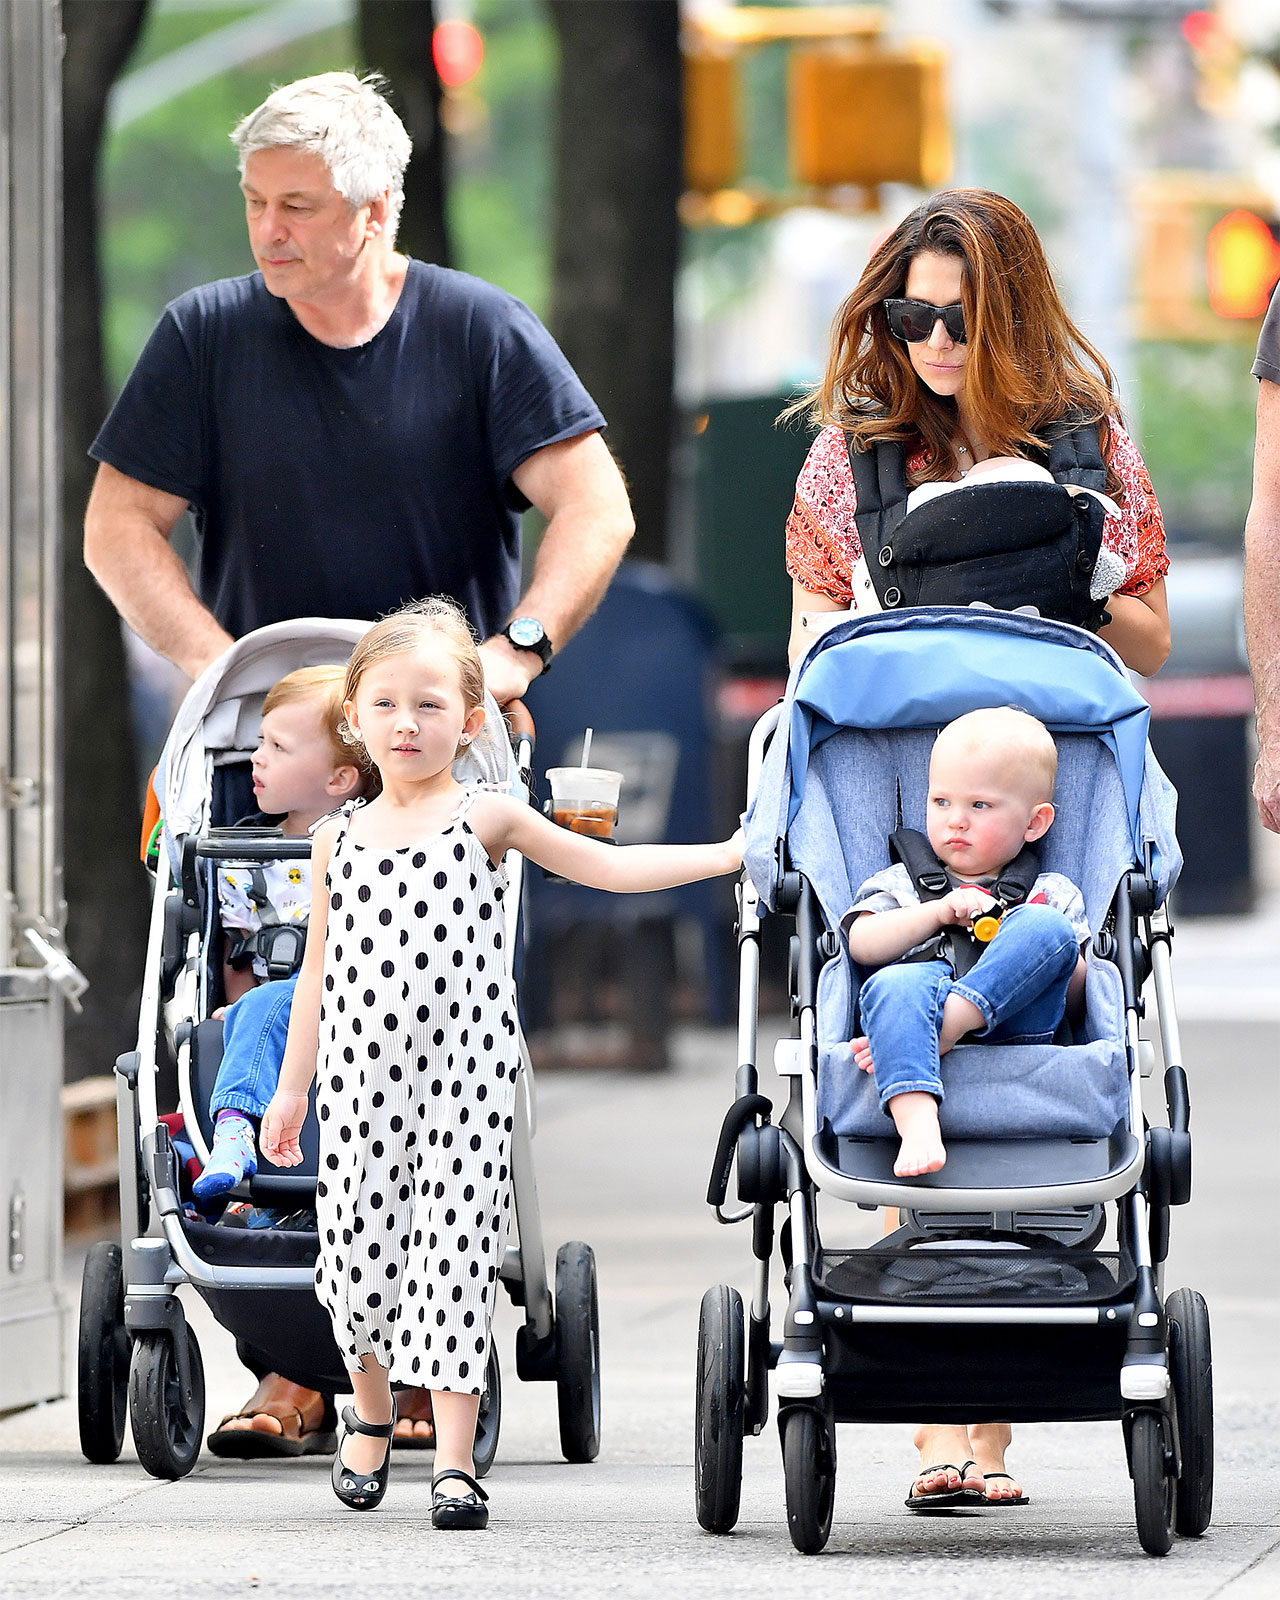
(218, 720)
(919, 669)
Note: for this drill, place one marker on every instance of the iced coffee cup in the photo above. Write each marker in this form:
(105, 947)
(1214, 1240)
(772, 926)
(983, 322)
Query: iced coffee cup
(585, 799)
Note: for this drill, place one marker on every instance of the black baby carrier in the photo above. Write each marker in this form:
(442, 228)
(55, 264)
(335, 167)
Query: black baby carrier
(1007, 545)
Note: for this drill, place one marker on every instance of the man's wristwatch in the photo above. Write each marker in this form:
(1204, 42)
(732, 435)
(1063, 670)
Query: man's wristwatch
(527, 633)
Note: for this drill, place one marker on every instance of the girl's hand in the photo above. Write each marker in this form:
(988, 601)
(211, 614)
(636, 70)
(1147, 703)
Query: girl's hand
(281, 1124)
(962, 905)
(861, 1048)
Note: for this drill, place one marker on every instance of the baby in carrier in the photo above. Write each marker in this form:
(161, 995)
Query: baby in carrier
(965, 935)
(302, 770)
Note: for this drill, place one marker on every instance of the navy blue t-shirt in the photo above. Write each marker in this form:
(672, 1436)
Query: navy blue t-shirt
(342, 483)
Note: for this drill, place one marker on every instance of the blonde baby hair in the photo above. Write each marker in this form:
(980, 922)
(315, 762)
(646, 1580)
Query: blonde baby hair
(1007, 736)
(323, 687)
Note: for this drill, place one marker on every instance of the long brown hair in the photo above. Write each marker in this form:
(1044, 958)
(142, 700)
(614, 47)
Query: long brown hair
(1028, 364)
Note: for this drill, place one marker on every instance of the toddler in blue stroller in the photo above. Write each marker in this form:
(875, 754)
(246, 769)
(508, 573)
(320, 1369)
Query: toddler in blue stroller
(1039, 1246)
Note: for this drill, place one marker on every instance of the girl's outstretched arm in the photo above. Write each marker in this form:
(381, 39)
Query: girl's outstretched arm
(282, 1121)
(502, 823)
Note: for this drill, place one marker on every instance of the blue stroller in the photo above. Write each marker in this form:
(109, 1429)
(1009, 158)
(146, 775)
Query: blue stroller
(1040, 1246)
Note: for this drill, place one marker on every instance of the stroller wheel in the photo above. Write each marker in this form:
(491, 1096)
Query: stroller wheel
(166, 1430)
(577, 1352)
(1153, 1486)
(102, 1375)
(489, 1420)
(1191, 1369)
(719, 1410)
(809, 1467)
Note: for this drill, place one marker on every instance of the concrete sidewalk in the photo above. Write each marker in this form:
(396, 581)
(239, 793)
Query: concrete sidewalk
(622, 1163)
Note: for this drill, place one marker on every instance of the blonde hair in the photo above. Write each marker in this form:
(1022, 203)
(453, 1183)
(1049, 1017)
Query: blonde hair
(1006, 736)
(404, 630)
(322, 686)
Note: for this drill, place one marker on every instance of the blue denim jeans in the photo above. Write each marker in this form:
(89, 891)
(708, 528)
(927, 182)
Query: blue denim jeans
(253, 1036)
(1019, 984)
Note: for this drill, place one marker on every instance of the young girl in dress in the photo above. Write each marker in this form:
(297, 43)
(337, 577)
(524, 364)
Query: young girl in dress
(405, 1001)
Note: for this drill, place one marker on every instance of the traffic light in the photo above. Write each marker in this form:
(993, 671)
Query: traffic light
(1242, 265)
(860, 112)
(1207, 256)
(868, 114)
(712, 136)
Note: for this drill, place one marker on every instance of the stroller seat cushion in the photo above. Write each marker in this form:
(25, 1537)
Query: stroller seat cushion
(994, 1091)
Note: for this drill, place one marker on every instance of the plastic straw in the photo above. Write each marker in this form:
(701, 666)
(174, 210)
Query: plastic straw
(586, 748)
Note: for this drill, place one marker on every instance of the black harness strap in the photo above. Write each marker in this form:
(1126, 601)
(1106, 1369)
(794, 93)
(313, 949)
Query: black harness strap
(957, 945)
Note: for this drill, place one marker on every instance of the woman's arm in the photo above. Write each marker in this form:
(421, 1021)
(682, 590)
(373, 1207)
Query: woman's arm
(803, 600)
(501, 824)
(1139, 628)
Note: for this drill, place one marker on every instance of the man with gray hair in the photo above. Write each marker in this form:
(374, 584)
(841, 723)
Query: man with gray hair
(352, 430)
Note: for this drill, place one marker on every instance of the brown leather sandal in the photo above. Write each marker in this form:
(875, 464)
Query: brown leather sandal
(271, 1399)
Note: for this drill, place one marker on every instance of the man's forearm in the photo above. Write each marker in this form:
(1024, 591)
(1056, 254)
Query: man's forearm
(149, 587)
(1262, 612)
(579, 554)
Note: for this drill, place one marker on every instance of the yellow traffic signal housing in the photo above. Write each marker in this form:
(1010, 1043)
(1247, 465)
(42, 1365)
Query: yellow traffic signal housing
(869, 114)
(712, 136)
(1207, 257)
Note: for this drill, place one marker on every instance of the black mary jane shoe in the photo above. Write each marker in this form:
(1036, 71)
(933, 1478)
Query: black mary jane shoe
(359, 1490)
(454, 1511)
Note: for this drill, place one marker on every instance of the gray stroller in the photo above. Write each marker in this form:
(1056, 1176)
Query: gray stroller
(1040, 1246)
(136, 1348)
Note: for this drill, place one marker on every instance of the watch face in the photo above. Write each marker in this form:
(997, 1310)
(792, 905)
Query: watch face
(527, 632)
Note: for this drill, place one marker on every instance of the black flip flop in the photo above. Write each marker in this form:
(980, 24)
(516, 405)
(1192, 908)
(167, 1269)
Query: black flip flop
(1008, 1500)
(945, 1499)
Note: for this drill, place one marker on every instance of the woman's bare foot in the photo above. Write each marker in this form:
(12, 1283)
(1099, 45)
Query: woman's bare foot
(959, 1016)
(278, 1407)
(988, 1442)
(915, 1116)
(413, 1416)
(944, 1450)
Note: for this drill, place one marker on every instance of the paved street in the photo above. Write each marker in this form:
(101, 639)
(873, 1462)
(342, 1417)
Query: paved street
(623, 1164)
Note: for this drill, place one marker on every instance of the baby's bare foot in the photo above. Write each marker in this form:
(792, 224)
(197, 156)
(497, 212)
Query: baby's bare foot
(915, 1115)
(959, 1016)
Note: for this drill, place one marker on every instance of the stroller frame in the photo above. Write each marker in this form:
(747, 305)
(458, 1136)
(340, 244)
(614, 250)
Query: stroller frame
(1128, 1355)
(136, 1348)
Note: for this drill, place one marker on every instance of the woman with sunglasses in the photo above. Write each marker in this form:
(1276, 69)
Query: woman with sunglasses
(955, 347)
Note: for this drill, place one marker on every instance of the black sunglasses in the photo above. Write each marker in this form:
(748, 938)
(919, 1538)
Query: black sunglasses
(913, 321)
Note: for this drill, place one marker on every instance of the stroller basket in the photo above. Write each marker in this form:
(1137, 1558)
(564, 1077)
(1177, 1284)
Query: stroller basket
(959, 1272)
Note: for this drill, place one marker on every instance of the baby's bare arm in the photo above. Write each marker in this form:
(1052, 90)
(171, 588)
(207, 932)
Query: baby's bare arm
(879, 937)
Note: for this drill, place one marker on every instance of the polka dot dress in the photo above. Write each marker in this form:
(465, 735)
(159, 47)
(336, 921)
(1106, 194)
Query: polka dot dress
(416, 1090)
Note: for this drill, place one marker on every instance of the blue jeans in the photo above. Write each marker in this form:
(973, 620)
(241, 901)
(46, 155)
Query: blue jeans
(253, 1036)
(1019, 984)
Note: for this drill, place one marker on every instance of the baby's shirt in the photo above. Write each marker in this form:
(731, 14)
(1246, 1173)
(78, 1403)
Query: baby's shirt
(893, 888)
(286, 886)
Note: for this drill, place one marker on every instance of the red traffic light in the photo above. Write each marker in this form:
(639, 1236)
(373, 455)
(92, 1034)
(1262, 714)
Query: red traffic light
(458, 51)
(1242, 265)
